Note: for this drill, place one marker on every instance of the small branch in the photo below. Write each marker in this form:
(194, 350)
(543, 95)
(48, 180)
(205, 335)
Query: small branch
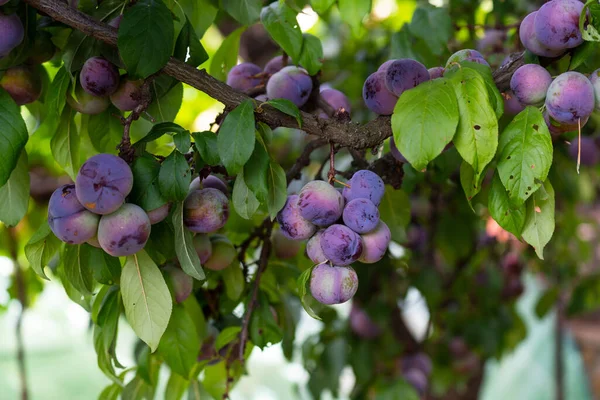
(331, 173)
(262, 266)
(304, 159)
(126, 152)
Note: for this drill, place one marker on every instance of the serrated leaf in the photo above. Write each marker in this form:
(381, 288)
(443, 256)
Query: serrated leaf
(13, 135)
(494, 95)
(179, 345)
(236, 137)
(311, 55)
(246, 12)
(226, 55)
(146, 37)
(65, 143)
(353, 12)
(539, 222)
(509, 216)
(476, 137)
(277, 185)
(184, 246)
(424, 121)
(206, 144)
(244, 200)
(40, 249)
(524, 154)
(174, 177)
(14, 194)
(146, 298)
(280, 22)
(287, 107)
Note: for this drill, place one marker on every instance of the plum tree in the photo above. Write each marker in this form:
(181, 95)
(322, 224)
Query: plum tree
(68, 219)
(341, 245)
(404, 74)
(99, 77)
(22, 83)
(11, 33)
(244, 76)
(320, 203)
(530, 84)
(205, 210)
(290, 83)
(103, 183)
(125, 231)
(331, 284)
(570, 98)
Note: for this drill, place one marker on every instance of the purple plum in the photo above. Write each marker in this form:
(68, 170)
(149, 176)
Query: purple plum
(361, 324)
(466, 55)
(223, 253)
(417, 379)
(419, 361)
(129, 94)
(205, 211)
(68, 219)
(181, 283)
(333, 284)
(341, 245)
(103, 183)
(383, 67)
(375, 243)
(336, 99)
(395, 152)
(436, 72)
(276, 64)
(512, 105)
(511, 264)
(293, 225)
(570, 98)
(210, 181)
(291, 83)
(86, 103)
(404, 74)
(99, 77)
(557, 24)
(530, 40)
(283, 247)
(530, 84)
(589, 151)
(116, 21)
(320, 203)
(261, 97)
(203, 247)
(22, 84)
(159, 214)
(376, 95)
(365, 184)
(242, 77)
(314, 250)
(125, 231)
(11, 33)
(492, 41)
(361, 215)
(556, 128)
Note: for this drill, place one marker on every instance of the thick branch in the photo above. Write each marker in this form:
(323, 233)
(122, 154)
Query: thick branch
(344, 134)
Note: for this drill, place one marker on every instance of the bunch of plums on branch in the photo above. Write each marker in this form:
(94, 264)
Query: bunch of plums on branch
(342, 227)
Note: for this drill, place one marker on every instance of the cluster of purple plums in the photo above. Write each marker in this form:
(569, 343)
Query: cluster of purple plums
(283, 81)
(93, 210)
(342, 226)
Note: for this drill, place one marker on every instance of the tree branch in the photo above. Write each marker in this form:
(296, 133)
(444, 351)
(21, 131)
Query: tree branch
(344, 134)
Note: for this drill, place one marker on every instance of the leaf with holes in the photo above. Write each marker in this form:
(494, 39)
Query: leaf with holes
(524, 155)
(539, 222)
(470, 185)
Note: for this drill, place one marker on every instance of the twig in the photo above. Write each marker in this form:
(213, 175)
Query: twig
(331, 173)
(22, 297)
(262, 265)
(126, 152)
(304, 159)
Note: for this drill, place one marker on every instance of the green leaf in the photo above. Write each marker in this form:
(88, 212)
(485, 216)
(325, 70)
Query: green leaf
(236, 137)
(476, 138)
(280, 22)
(146, 192)
(65, 143)
(227, 336)
(106, 269)
(470, 186)
(277, 185)
(188, 47)
(195, 311)
(353, 12)
(174, 177)
(40, 249)
(206, 144)
(524, 154)
(77, 268)
(495, 97)
(546, 302)
(287, 107)
(159, 130)
(105, 131)
(179, 345)
(56, 97)
(111, 392)
(244, 200)
(146, 37)
(424, 121)
(434, 26)
(184, 246)
(176, 387)
(246, 12)
(311, 55)
(582, 53)
(302, 282)
(108, 318)
(201, 14)
(394, 210)
(509, 216)
(589, 21)
(586, 296)
(146, 298)
(539, 222)
(225, 57)
(13, 135)
(137, 389)
(263, 327)
(14, 195)
(256, 169)
(166, 108)
(321, 6)
(234, 280)
(182, 141)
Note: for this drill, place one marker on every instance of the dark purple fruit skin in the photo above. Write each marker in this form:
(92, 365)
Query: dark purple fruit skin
(589, 151)
(376, 95)
(68, 219)
(530, 84)
(336, 99)
(99, 77)
(103, 182)
(241, 77)
(203, 247)
(129, 94)
(291, 83)
(293, 225)
(365, 184)
(375, 244)
(11, 33)
(512, 105)
(205, 211)
(341, 245)
(395, 152)
(570, 98)
(276, 64)
(320, 203)
(124, 232)
(181, 283)
(361, 215)
(417, 379)
(362, 325)
(159, 214)
(530, 41)
(557, 24)
(436, 72)
(405, 74)
(22, 84)
(210, 181)
(314, 250)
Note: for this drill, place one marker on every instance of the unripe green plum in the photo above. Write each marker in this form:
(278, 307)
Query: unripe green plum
(22, 84)
(86, 103)
(181, 283)
(129, 94)
(159, 214)
(466, 55)
(43, 49)
(284, 247)
(203, 247)
(223, 253)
